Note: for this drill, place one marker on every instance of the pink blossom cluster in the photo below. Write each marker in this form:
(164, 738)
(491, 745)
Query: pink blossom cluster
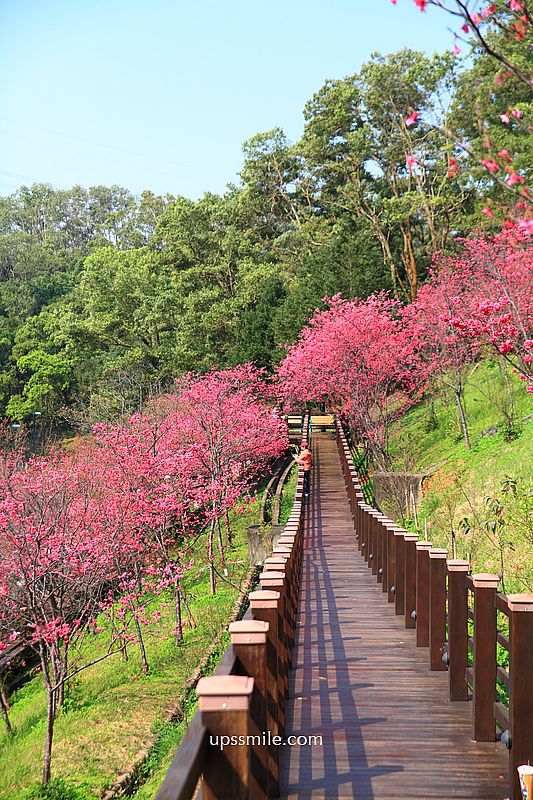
(104, 529)
(372, 358)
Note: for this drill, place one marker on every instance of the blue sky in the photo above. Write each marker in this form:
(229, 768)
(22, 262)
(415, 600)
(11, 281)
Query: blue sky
(161, 94)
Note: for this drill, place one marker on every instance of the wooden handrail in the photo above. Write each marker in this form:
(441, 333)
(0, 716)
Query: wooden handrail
(254, 673)
(186, 768)
(417, 572)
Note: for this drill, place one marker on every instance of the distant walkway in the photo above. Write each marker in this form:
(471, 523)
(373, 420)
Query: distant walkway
(359, 681)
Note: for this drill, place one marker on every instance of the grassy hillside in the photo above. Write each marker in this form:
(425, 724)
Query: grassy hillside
(112, 707)
(479, 496)
(175, 733)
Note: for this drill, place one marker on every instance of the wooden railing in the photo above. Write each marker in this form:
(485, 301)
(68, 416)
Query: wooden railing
(247, 694)
(455, 615)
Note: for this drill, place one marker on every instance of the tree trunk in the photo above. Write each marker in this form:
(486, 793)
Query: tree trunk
(462, 416)
(177, 607)
(144, 660)
(50, 717)
(4, 705)
(190, 618)
(227, 527)
(3, 693)
(410, 261)
(210, 559)
(510, 393)
(123, 648)
(220, 544)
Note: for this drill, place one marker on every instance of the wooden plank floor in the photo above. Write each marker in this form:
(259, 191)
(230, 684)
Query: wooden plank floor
(359, 681)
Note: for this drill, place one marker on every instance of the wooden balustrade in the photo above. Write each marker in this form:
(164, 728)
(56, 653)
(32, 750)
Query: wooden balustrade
(438, 597)
(246, 696)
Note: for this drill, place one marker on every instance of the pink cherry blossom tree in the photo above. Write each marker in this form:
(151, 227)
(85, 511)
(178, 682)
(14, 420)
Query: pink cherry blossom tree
(500, 314)
(55, 565)
(151, 488)
(223, 422)
(362, 357)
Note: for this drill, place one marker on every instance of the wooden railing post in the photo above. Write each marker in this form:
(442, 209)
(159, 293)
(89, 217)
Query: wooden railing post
(359, 499)
(410, 580)
(391, 561)
(485, 588)
(384, 553)
(225, 709)
(374, 527)
(277, 582)
(422, 593)
(457, 628)
(437, 608)
(521, 685)
(264, 606)
(249, 641)
(399, 571)
(365, 523)
(281, 562)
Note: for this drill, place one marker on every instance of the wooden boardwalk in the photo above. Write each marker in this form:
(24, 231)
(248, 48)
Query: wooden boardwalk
(358, 680)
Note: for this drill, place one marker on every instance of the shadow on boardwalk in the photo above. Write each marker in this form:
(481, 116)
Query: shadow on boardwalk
(358, 680)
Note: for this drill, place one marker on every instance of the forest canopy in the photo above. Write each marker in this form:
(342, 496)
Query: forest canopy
(106, 297)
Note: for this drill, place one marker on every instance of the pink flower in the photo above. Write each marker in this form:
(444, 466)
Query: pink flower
(516, 113)
(490, 165)
(505, 118)
(411, 119)
(516, 6)
(487, 211)
(421, 4)
(505, 155)
(393, 2)
(456, 50)
(505, 347)
(465, 28)
(499, 79)
(410, 161)
(453, 168)
(513, 179)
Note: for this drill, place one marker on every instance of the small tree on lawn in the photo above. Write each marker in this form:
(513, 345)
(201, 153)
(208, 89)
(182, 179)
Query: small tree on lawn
(231, 435)
(58, 556)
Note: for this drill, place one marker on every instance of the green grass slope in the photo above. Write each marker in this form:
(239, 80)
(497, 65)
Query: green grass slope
(111, 708)
(480, 498)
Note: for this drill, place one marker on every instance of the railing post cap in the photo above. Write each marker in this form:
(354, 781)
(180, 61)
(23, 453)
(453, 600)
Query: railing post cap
(438, 552)
(271, 573)
(485, 580)
(520, 602)
(264, 598)
(411, 537)
(458, 565)
(400, 532)
(423, 545)
(283, 552)
(248, 631)
(225, 692)
(277, 559)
